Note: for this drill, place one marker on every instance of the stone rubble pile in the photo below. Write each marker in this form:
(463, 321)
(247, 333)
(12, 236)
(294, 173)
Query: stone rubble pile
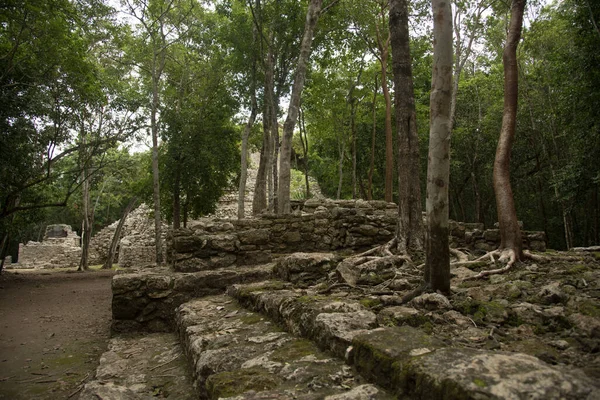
(137, 240)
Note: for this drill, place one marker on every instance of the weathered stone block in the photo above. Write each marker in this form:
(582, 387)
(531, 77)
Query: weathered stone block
(254, 236)
(457, 374)
(381, 354)
(305, 268)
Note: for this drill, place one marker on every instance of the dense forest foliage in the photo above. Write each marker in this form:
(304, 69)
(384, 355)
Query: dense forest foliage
(82, 80)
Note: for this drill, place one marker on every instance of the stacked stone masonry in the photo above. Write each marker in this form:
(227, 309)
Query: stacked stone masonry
(315, 225)
(59, 248)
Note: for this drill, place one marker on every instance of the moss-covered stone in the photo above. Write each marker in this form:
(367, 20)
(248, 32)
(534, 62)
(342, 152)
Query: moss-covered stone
(369, 302)
(294, 350)
(459, 374)
(589, 308)
(232, 383)
(577, 269)
(380, 355)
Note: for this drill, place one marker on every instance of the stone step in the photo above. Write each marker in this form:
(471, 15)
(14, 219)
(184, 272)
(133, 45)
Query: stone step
(141, 367)
(145, 300)
(242, 355)
(405, 360)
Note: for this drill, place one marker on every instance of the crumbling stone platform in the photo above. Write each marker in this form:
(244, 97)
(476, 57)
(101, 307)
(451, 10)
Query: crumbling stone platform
(299, 338)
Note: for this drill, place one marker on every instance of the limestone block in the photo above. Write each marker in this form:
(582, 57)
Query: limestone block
(305, 268)
(254, 236)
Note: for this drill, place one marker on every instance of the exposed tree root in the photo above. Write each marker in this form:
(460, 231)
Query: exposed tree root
(508, 257)
(415, 293)
(460, 256)
(383, 250)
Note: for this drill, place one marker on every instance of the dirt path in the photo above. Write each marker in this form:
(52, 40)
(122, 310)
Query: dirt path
(53, 328)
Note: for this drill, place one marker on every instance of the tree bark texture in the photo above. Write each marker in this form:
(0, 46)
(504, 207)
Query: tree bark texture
(304, 141)
(86, 228)
(312, 17)
(437, 264)
(510, 233)
(158, 65)
(177, 200)
(260, 201)
(373, 137)
(241, 212)
(410, 230)
(389, 146)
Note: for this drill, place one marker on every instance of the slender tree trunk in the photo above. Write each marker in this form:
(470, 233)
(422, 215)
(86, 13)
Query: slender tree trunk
(4, 249)
(304, 141)
(158, 62)
(273, 199)
(389, 146)
(86, 229)
(186, 208)
(114, 243)
(312, 17)
(341, 148)
(437, 262)
(373, 137)
(261, 190)
(409, 231)
(510, 233)
(241, 212)
(353, 133)
(177, 199)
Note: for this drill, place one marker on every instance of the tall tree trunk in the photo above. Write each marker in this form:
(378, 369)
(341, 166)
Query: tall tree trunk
(312, 17)
(373, 137)
(114, 243)
(383, 46)
(177, 199)
(275, 136)
(409, 232)
(304, 141)
(353, 133)
(241, 211)
(86, 229)
(263, 177)
(389, 146)
(437, 264)
(4, 249)
(341, 148)
(158, 64)
(353, 105)
(510, 232)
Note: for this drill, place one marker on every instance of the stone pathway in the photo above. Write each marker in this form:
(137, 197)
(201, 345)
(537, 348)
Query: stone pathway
(141, 367)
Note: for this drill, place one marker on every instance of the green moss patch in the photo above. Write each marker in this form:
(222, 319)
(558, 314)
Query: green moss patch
(232, 383)
(369, 302)
(251, 318)
(294, 350)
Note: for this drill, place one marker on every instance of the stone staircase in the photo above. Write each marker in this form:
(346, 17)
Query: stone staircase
(247, 335)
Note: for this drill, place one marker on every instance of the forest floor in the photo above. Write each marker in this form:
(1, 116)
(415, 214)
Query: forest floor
(54, 325)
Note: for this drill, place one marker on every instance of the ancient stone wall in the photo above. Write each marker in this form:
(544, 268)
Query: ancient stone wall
(60, 248)
(314, 226)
